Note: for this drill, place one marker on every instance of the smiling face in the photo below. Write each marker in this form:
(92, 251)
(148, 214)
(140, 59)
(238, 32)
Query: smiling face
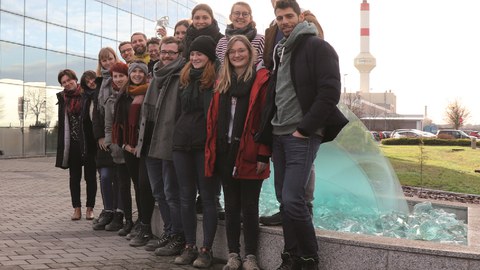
(126, 51)
(139, 44)
(91, 83)
(137, 76)
(240, 16)
(201, 19)
(68, 83)
(180, 32)
(168, 53)
(287, 19)
(108, 61)
(239, 57)
(198, 59)
(119, 79)
(154, 51)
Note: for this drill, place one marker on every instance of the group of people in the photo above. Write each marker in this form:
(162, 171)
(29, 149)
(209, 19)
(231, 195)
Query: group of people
(189, 114)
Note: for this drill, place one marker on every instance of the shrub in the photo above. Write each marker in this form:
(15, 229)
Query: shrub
(440, 142)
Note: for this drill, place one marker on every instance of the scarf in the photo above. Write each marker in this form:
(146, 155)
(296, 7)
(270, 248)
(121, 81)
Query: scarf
(105, 88)
(127, 114)
(249, 31)
(241, 91)
(192, 33)
(73, 101)
(190, 96)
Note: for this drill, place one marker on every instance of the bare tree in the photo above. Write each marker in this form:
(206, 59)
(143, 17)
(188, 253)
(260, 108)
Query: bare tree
(456, 114)
(353, 102)
(35, 104)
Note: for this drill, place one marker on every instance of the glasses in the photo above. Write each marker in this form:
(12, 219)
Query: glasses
(237, 14)
(239, 51)
(170, 53)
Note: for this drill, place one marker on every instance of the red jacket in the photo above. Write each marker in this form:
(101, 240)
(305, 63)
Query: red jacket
(246, 161)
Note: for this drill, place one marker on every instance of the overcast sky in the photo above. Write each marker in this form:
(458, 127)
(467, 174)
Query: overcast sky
(427, 51)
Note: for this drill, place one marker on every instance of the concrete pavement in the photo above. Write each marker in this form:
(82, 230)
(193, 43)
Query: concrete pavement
(36, 231)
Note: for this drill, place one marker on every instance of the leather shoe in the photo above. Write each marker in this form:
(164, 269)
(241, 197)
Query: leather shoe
(77, 213)
(89, 214)
(273, 220)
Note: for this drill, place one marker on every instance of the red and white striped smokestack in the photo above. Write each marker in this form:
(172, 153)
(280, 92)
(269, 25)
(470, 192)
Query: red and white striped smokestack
(365, 62)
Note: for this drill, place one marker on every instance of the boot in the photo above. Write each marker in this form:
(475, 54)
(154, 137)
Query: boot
(142, 238)
(127, 227)
(116, 224)
(289, 262)
(308, 263)
(134, 231)
(273, 220)
(103, 221)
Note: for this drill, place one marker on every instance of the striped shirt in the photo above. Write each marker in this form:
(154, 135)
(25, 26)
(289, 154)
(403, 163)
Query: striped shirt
(258, 43)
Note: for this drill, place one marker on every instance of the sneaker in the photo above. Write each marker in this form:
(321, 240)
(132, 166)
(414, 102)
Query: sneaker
(189, 254)
(273, 220)
(116, 224)
(250, 263)
(288, 262)
(204, 258)
(142, 238)
(134, 231)
(127, 228)
(158, 242)
(234, 262)
(106, 218)
(174, 247)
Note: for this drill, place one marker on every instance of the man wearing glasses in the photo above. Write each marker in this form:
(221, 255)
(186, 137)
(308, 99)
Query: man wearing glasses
(126, 51)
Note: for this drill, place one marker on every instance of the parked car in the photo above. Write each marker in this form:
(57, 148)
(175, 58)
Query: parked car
(452, 134)
(412, 133)
(375, 135)
(385, 134)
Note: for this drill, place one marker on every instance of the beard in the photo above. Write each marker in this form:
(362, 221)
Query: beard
(139, 49)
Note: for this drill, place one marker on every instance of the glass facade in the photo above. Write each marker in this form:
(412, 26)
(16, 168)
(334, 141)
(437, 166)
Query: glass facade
(38, 38)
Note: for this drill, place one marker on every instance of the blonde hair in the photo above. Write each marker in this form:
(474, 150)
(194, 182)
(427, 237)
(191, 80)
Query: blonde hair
(104, 53)
(227, 68)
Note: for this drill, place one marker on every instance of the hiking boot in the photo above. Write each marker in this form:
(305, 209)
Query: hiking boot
(308, 263)
(134, 231)
(127, 228)
(174, 247)
(234, 262)
(158, 242)
(288, 262)
(273, 220)
(189, 254)
(116, 224)
(204, 258)
(142, 238)
(103, 220)
(250, 263)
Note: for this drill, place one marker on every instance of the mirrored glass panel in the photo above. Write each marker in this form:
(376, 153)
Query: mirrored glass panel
(35, 33)
(125, 5)
(77, 64)
(35, 69)
(93, 15)
(57, 12)
(109, 17)
(150, 8)
(137, 24)
(55, 63)
(162, 9)
(11, 61)
(34, 104)
(16, 6)
(92, 45)
(173, 13)
(124, 25)
(75, 42)
(56, 37)
(11, 27)
(183, 13)
(191, 4)
(91, 64)
(11, 103)
(76, 14)
(138, 7)
(108, 43)
(36, 9)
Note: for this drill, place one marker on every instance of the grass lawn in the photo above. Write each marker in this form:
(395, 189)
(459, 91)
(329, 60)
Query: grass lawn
(443, 168)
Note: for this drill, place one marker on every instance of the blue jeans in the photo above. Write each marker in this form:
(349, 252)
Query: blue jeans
(190, 168)
(292, 160)
(106, 187)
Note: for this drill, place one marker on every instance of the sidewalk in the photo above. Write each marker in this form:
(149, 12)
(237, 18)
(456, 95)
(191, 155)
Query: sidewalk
(36, 231)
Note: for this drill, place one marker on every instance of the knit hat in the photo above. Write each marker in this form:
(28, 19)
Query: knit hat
(120, 68)
(205, 45)
(137, 64)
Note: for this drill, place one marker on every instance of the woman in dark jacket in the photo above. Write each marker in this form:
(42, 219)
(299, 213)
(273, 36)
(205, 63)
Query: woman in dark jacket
(76, 145)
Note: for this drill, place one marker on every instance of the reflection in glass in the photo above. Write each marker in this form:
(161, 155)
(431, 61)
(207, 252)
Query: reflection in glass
(35, 33)
(90, 64)
(173, 13)
(108, 43)
(138, 8)
(125, 5)
(56, 37)
(11, 61)
(55, 63)
(57, 12)
(36, 9)
(76, 64)
(10, 97)
(183, 13)
(11, 27)
(150, 8)
(137, 24)
(75, 42)
(76, 15)
(162, 9)
(34, 104)
(35, 65)
(191, 4)
(92, 45)
(13, 6)
(92, 16)
(124, 26)
(109, 17)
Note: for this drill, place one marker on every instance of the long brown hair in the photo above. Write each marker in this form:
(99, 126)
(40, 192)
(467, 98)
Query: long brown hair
(208, 76)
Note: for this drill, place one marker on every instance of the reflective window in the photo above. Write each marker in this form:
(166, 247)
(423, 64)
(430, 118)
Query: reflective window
(137, 24)
(191, 4)
(11, 27)
(11, 61)
(11, 112)
(35, 103)
(75, 42)
(162, 9)
(150, 9)
(150, 28)
(183, 13)
(125, 5)
(112, 3)
(138, 7)
(35, 64)
(16, 6)
(77, 64)
(56, 37)
(91, 64)
(57, 12)
(35, 33)
(93, 15)
(108, 43)
(36, 9)
(124, 25)
(76, 14)
(173, 13)
(109, 17)
(92, 45)
(55, 63)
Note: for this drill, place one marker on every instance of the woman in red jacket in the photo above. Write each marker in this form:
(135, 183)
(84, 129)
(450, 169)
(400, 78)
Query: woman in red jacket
(230, 151)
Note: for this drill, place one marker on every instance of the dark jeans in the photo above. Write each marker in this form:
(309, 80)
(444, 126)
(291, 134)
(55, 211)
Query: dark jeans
(106, 187)
(146, 198)
(165, 190)
(124, 190)
(292, 160)
(241, 199)
(190, 168)
(132, 164)
(75, 170)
